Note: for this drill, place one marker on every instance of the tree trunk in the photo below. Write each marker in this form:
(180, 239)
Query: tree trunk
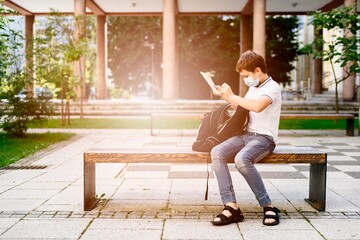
(336, 87)
(337, 96)
(62, 104)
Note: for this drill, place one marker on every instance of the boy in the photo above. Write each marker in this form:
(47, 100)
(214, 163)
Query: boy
(263, 100)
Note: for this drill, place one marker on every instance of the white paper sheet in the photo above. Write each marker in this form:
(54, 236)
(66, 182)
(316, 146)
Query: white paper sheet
(207, 77)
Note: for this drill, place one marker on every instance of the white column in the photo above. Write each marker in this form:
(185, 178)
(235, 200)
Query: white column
(29, 35)
(245, 44)
(80, 32)
(170, 86)
(349, 83)
(259, 25)
(318, 69)
(101, 57)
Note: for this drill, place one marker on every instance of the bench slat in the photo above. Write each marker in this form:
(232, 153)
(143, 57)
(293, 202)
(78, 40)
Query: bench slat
(280, 155)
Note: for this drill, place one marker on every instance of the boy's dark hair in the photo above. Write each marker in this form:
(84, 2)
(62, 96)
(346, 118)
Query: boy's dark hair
(250, 60)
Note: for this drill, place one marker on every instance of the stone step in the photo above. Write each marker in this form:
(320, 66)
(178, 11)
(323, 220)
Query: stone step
(132, 108)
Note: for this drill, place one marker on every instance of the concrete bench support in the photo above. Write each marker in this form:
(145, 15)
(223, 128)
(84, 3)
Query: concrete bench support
(281, 155)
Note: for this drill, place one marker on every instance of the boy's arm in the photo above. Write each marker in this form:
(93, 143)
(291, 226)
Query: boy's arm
(257, 105)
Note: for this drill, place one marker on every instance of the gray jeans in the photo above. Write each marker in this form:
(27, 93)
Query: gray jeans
(246, 149)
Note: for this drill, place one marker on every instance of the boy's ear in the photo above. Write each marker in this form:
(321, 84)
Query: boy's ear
(258, 70)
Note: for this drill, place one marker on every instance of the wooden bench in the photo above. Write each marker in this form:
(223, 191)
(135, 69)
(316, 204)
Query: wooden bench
(350, 118)
(316, 159)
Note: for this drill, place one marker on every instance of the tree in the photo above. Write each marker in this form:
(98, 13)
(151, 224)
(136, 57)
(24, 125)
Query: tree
(129, 56)
(56, 50)
(4, 46)
(207, 43)
(342, 47)
(281, 46)
(212, 43)
(90, 53)
(53, 48)
(18, 108)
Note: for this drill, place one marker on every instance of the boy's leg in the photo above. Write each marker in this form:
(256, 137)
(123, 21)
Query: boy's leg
(256, 148)
(219, 156)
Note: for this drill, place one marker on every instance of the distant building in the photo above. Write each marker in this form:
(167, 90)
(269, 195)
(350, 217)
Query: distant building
(302, 75)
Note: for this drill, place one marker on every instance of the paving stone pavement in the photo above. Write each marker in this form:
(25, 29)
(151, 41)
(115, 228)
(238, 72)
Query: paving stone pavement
(166, 201)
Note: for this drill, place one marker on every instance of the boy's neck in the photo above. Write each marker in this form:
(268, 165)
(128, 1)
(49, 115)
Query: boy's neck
(263, 77)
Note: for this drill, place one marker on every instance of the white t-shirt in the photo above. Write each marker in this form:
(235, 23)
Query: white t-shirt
(267, 121)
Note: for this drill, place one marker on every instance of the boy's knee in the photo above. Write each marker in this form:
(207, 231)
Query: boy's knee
(241, 163)
(215, 152)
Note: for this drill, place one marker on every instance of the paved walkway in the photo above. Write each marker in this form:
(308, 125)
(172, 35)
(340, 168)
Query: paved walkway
(166, 201)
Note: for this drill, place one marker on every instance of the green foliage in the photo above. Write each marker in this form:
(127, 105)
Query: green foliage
(342, 47)
(3, 45)
(90, 53)
(281, 46)
(121, 93)
(212, 44)
(56, 50)
(20, 110)
(18, 106)
(101, 199)
(206, 43)
(129, 58)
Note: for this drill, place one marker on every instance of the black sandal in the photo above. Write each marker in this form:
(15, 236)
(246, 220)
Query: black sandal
(276, 217)
(236, 216)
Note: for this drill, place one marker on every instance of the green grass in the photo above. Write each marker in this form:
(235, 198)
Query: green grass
(14, 149)
(319, 124)
(191, 123)
(124, 123)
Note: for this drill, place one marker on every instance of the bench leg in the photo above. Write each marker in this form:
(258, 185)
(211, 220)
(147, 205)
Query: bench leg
(317, 186)
(89, 186)
(350, 125)
(151, 126)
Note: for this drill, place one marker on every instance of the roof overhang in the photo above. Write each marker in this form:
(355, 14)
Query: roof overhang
(185, 7)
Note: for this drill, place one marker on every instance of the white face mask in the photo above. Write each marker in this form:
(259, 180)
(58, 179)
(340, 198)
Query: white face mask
(251, 82)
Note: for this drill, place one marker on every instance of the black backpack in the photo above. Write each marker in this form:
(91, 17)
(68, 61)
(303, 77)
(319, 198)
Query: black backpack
(219, 125)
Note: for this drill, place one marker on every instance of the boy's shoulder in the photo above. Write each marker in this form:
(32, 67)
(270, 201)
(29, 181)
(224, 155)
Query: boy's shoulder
(271, 83)
(275, 83)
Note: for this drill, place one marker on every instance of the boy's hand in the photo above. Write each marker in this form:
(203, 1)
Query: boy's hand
(218, 92)
(226, 91)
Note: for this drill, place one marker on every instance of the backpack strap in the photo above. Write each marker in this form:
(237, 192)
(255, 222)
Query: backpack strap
(207, 178)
